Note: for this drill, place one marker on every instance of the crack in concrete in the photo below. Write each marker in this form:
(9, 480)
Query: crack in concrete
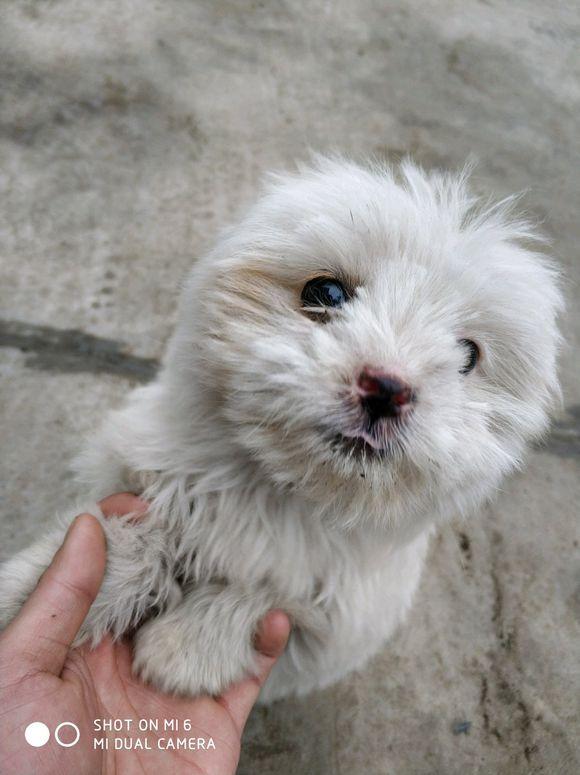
(70, 350)
(465, 546)
(505, 670)
(483, 703)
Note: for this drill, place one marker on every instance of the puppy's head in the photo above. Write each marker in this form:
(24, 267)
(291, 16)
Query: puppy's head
(377, 342)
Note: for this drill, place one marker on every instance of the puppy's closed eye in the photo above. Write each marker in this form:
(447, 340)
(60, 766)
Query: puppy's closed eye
(472, 355)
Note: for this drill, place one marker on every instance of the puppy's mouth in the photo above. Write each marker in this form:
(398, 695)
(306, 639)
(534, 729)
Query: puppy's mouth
(359, 448)
(370, 442)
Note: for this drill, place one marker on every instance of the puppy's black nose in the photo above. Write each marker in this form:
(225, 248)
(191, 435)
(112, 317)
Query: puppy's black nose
(382, 394)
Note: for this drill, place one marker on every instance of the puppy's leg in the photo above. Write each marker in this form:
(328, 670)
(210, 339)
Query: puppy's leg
(138, 575)
(20, 574)
(204, 644)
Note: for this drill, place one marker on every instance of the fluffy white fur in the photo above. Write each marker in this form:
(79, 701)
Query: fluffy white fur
(255, 502)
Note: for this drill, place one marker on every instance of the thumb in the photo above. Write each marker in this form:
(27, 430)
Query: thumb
(48, 622)
(270, 642)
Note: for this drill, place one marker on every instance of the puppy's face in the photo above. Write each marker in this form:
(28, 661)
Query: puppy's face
(375, 344)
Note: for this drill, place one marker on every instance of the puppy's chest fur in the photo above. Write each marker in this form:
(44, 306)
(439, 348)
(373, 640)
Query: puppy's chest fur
(251, 538)
(345, 588)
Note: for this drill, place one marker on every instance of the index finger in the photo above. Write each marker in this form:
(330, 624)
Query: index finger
(122, 503)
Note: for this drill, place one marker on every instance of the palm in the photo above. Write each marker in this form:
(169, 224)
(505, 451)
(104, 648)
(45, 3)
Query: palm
(99, 685)
(105, 676)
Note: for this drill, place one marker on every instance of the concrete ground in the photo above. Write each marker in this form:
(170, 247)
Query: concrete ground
(129, 133)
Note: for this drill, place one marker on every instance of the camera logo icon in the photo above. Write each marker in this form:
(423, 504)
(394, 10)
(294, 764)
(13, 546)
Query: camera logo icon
(37, 734)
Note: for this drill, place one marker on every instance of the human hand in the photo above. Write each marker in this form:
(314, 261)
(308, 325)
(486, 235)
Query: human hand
(43, 679)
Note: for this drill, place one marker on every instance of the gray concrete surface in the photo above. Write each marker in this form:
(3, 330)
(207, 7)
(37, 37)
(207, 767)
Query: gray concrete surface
(129, 133)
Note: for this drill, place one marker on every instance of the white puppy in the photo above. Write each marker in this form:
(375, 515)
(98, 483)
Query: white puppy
(364, 355)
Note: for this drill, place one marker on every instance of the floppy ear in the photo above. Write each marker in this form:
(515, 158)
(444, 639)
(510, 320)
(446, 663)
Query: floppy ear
(520, 302)
(534, 287)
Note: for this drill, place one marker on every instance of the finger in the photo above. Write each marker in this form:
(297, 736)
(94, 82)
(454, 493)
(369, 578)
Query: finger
(41, 634)
(123, 503)
(270, 642)
(272, 636)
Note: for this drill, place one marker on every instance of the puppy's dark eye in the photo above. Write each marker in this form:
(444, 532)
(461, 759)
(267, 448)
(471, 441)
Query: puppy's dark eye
(471, 355)
(323, 292)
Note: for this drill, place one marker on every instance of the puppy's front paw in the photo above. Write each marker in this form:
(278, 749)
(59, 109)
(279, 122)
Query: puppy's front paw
(180, 657)
(15, 590)
(20, 574)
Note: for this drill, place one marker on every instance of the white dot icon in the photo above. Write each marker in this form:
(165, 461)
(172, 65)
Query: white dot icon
(37, 734)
